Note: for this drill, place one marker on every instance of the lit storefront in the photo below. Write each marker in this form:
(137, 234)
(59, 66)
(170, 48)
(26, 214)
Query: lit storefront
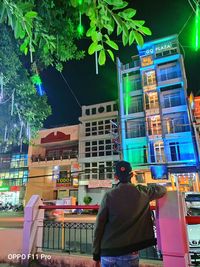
(13, 178)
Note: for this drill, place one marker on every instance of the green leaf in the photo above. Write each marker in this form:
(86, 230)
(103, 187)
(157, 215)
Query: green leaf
(74, 3)
(3, 13)
(139, 39)
(10, 17)
(118, 20)
(129, 13)
(131, 37)
(125, 39)
(111, 54)
(31, 14)
(146, 30)
(112, 44)
(125, 29)
(26, 50)
(17, 29)
(110, 2)
(125, 4)
(119, 30)
(108, 27)
(102, 57)
(105, 18)
(92, 48)
(22, 33)
(24, 45)
(138, 23)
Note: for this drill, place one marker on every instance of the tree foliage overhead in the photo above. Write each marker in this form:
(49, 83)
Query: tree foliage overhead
(51, 28)
(49, 32)
(21, 107)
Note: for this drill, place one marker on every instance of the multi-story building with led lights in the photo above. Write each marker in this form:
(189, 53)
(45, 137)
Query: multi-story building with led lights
(13, 176)
(98, 149)
(156, 130)
(53, 164)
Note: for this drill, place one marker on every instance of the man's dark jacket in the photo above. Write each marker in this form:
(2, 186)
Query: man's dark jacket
(124, 223)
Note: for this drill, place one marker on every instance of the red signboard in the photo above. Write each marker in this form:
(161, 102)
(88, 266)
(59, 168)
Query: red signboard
(15, 188)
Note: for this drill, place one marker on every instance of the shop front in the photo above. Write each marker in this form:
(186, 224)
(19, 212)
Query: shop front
(9, 195)
(184, 179)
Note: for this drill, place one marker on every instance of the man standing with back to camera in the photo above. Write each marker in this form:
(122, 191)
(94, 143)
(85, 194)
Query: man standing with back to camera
(123, 224)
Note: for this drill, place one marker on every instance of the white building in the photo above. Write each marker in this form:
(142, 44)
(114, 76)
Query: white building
(97, 149)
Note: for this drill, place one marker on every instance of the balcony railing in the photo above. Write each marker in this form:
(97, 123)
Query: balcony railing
(39, 158)
(77, 238)
(152, 105)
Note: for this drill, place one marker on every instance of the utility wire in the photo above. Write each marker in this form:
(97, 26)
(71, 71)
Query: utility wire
(66, 82)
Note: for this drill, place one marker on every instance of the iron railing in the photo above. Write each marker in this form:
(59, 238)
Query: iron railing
(77, 238)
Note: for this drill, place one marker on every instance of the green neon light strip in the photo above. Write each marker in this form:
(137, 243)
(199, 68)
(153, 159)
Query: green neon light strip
(197, 28)
(127, 84)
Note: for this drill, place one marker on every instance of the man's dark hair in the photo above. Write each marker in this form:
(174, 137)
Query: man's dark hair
(123, 171)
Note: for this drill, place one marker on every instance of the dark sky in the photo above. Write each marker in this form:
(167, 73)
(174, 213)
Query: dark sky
(164, 18)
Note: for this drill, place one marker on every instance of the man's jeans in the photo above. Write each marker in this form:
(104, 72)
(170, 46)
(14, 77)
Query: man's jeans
(129, 260)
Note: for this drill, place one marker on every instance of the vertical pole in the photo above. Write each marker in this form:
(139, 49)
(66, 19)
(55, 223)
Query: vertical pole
(121, 109)
(172, 231)
(1, 82)
(96, 63)
(63, 232)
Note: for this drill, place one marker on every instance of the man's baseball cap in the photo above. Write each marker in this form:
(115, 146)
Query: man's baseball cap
(123, 170)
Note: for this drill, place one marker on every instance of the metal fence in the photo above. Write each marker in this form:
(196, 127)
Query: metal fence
(77, 238)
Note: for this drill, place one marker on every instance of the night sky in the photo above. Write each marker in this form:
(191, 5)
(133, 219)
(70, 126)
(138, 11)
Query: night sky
(90, 88)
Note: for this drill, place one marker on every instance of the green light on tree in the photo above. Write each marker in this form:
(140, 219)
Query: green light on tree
(80, 29)
(36, 79)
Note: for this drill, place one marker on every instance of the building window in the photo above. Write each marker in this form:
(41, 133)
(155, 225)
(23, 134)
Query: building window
(87, 112)
(149, 78)
(135, 104)
(108, 108)
(174, 151)
(154, 125)
(172, 100)
(99, 127)
(132, 82)
(168, 71)
(94, 111)
(146, 61)
(99, 170)
(176, 124)
(159, 152)
(99, 148)
(151, 100)
(135, 128)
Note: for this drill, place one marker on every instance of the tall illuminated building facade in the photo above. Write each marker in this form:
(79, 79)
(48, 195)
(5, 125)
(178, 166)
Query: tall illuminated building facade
(156, 131)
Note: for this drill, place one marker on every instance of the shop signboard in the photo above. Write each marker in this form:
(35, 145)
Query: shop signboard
(100, 183)
(4, 188)
(15, 188)
(63, 182)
